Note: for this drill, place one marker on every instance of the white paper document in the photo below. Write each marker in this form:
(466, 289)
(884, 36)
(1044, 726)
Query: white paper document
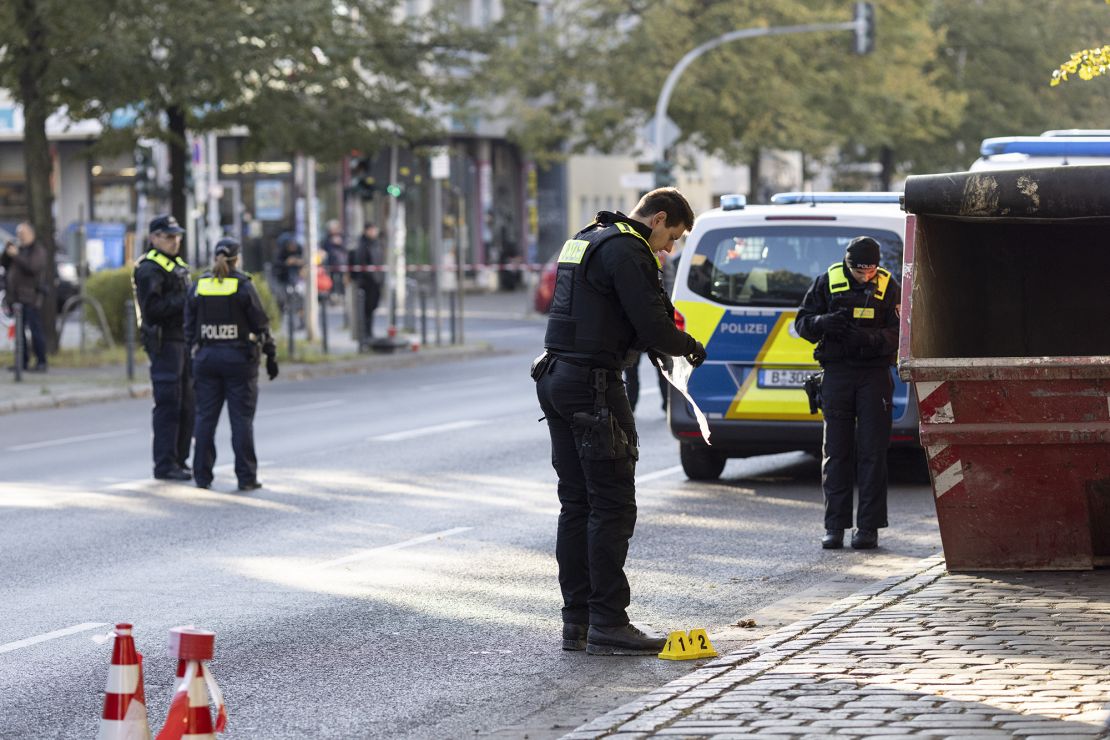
(679, 377)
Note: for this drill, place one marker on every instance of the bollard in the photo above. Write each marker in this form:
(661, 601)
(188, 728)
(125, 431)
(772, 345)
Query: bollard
(324, 324)
(423, 318)
(129, 332)
(291, 313)
(360, 320)
(20, 342)
(452, 308)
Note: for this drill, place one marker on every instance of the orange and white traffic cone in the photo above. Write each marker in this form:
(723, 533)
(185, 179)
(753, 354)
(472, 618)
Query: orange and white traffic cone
(124, 716)
(190, 717)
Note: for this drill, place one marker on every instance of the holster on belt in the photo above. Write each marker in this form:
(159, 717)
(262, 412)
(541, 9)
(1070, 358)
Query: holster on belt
(150, 335)
(812, 387)
(602, 437)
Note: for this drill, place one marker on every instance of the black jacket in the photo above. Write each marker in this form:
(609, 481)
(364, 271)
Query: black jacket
(161, 286)
(609, 297)
(872, 338)
(242, 308)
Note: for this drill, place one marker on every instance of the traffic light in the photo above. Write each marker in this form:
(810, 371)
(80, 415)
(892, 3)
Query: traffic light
(394, 190)
(361, 182)
(144, 169)
(865, 28)
(664, 176)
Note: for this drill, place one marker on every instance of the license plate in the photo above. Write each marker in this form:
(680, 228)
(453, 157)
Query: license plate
(783, 378)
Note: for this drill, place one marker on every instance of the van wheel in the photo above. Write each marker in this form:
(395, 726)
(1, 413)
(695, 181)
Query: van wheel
(701, 464)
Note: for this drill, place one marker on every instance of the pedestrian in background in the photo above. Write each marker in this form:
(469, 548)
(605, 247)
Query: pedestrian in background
(335, 255)
(608, 300)
(25, 276)
(161, 281)
(851, 312)
(368, 253)
(228, 330)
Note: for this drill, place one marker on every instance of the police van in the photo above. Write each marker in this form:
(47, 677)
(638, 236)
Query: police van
(1050, 149)
(739, 282)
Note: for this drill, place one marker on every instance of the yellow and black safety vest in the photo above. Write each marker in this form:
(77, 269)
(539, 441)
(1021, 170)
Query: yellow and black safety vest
(220, 315)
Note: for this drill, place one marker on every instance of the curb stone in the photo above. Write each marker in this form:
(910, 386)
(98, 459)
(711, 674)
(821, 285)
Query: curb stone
(640, 718)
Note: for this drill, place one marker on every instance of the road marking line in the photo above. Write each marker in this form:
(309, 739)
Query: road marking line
(302, 407)
(389, 548)
(84, 626)
(424, 431)
(664, 473)
(68, 440)
(457, 384)
(498, 333)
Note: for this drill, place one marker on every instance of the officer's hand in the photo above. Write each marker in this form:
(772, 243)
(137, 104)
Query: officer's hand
(271, 367)
(696, 355)
(661, 360)
(833, 324)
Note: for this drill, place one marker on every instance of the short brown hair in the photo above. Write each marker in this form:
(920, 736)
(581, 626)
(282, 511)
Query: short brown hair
(669, 200)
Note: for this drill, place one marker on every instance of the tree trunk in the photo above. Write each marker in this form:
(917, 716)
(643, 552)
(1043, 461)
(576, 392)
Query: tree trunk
(179, 151)
(886, 173)
(755, 192)
(33, 60)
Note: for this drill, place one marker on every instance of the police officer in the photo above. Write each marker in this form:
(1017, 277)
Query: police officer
(608, 300)
(851, 312)
(161, 281)
(226, 326)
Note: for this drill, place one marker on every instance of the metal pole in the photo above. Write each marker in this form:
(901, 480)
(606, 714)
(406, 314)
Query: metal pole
(745, 33)
(20, 342)
(454, 326)
(424, 319)
(324, 324)
(360, 320)
(82, 268)
(437, 250)
(311, 230)
(129, 336)
(291, 312)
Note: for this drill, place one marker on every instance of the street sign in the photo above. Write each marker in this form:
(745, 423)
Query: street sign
(441, 165)
(671, 131)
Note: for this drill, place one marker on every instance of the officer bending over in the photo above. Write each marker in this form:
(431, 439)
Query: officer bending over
(608, 300)
(228, 329)
(161, 281)
(851, 312)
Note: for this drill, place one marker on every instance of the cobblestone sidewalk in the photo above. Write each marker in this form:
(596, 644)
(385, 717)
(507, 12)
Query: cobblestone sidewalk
(926, 654)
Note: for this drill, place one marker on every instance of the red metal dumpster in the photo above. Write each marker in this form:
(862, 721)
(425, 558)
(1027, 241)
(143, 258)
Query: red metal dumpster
(1006, 336)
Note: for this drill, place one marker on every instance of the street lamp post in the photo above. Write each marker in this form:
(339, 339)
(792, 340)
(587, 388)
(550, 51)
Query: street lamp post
(862, 25)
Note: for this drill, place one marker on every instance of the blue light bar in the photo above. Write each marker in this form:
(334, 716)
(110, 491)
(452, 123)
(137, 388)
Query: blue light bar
(1047, 146)
(733, 202)
(1078, 132)
(856, 197)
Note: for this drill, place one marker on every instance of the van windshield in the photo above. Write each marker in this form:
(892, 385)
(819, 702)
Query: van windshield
(774, 265)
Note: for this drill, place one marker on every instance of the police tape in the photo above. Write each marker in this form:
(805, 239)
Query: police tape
(508, 267)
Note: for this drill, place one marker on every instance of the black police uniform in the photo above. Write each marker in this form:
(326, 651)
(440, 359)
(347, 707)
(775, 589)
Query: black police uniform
(161, 286)
(608, 300)
(227, 326)
(856, 395)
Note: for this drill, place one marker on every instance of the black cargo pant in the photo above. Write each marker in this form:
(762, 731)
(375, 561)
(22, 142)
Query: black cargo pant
(225, 374)
(856, 403)
(597, 497)
(172, 417)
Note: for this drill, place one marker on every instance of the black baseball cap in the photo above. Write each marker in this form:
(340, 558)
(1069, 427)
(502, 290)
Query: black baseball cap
(863, 251)
(227, 246)
(166, 225)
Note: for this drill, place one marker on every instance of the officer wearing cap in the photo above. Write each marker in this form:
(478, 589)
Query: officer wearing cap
(228, 329)
(608, 300)
(161, 283)
(851, 313)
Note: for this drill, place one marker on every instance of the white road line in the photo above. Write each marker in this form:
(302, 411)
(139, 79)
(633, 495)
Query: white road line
(424, 431)
(497, 333)
(664, 473)
(302, 407)
(362, 555)
(70, 440)
(456, 384)
(8, 647)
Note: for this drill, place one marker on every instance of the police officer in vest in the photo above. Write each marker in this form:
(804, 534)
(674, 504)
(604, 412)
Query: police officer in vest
(161, 282)
(851, 312)
(608, 300)
(228, 329)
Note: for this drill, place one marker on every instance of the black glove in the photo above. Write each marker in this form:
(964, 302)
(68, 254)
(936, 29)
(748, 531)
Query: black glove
(862, 338)
(696, 354)
(832, 324)
(661, 360)
(271, 366)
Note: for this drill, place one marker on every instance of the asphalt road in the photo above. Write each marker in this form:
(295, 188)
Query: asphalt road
(395, 577)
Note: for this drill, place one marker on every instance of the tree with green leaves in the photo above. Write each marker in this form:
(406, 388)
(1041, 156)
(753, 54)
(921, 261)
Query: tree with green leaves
(1086, 63)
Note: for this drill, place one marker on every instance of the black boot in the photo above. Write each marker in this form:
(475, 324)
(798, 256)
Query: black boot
(623, 640)
(574, 636)
(833, 539)
(865, 539)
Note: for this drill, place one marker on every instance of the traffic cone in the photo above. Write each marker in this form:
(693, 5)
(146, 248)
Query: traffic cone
(124, 715)
(194, 688)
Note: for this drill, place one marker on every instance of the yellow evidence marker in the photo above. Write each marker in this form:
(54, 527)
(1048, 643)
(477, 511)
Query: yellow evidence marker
(683, 646)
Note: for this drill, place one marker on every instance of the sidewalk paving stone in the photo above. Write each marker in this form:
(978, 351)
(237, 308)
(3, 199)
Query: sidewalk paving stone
(921, 654)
